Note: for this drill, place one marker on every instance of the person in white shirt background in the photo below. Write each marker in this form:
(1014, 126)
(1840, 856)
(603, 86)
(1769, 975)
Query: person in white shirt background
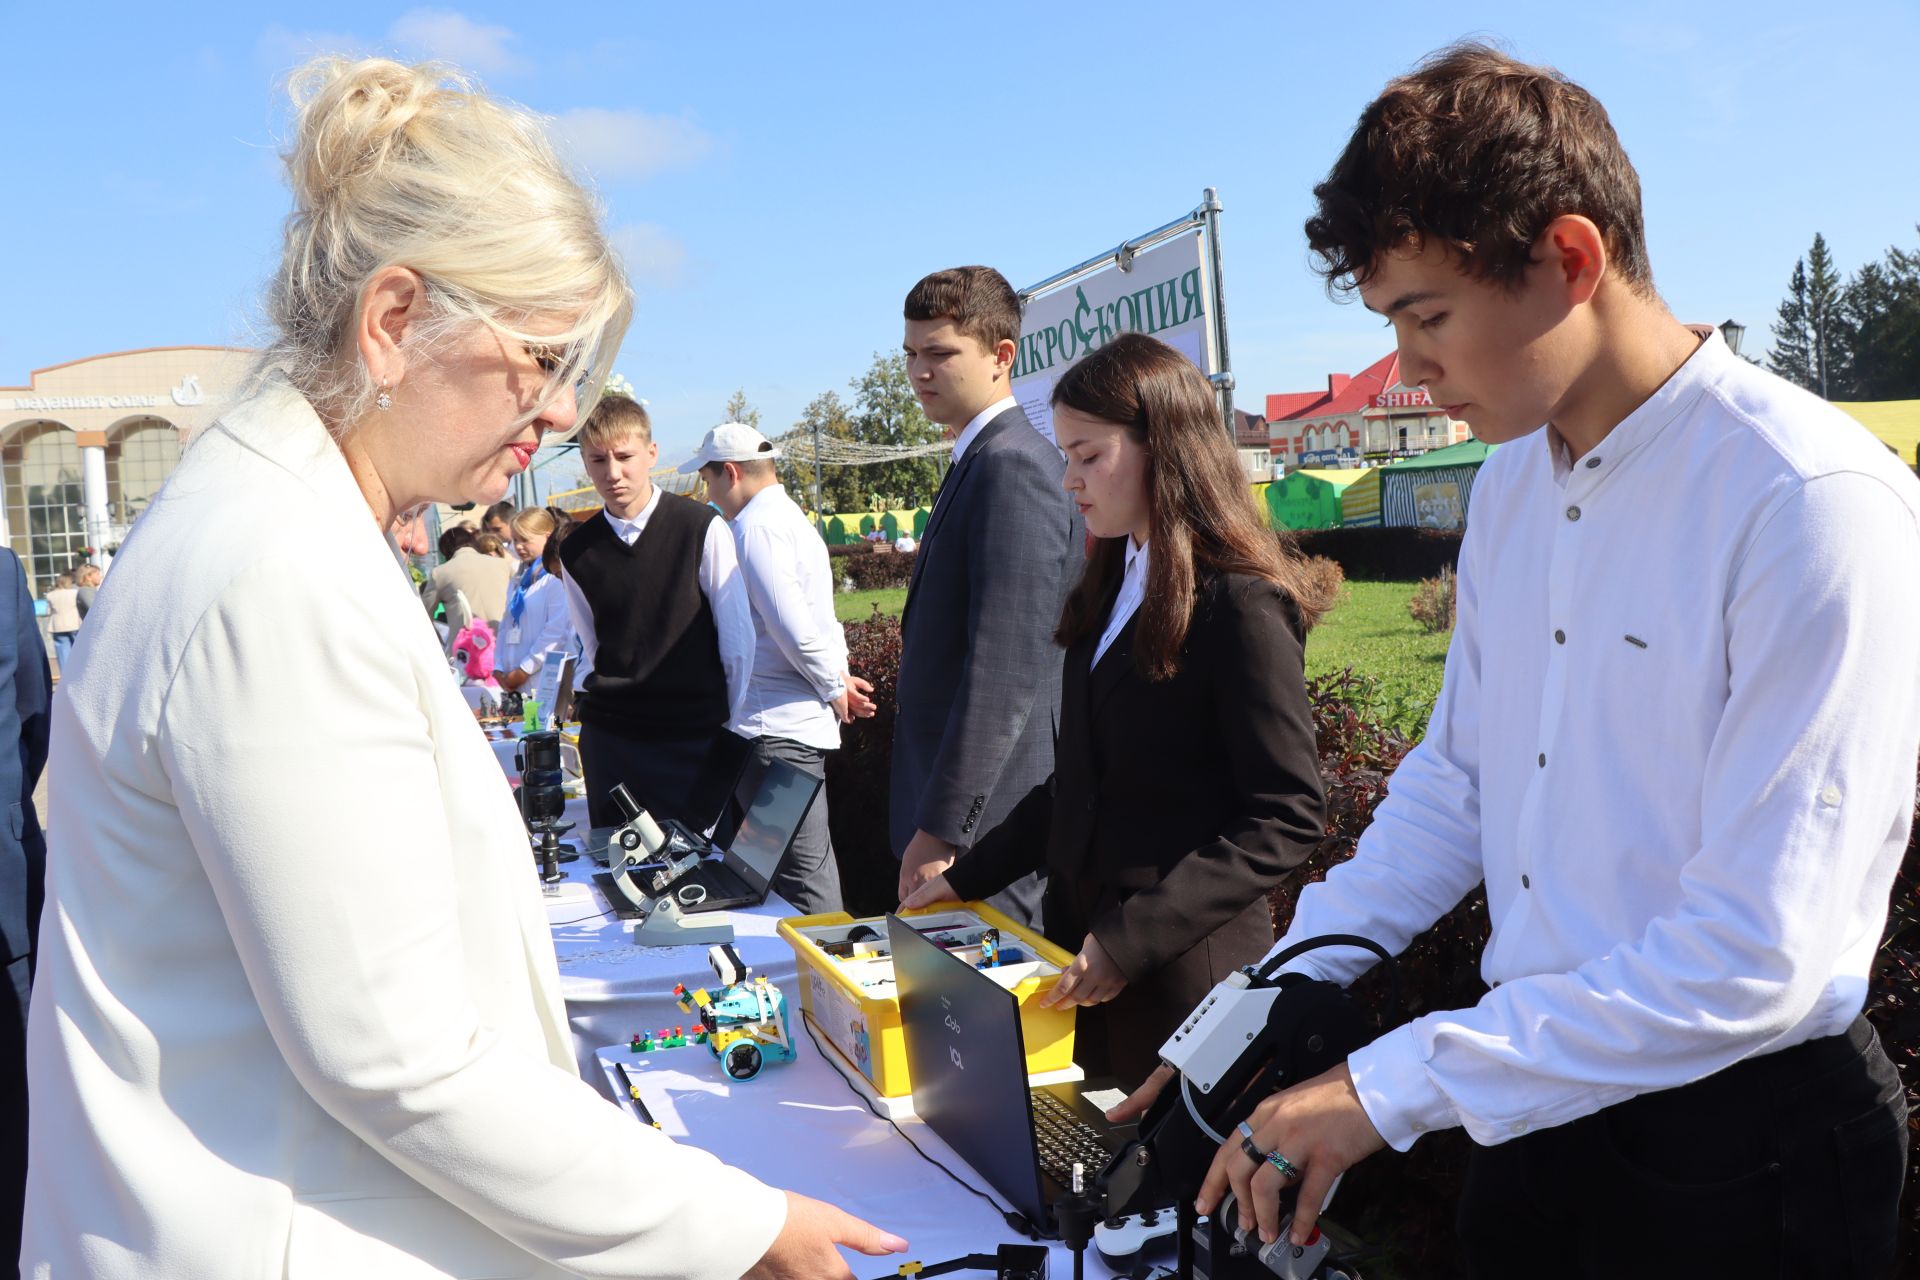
(1676, 738)
(537, 628)
(800, 692)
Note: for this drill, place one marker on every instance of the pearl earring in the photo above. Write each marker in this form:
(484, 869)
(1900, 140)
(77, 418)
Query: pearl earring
(383, 400)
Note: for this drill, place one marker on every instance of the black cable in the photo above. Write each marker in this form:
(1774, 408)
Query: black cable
(1013, 1217)
(598, 915)
(1267, 970)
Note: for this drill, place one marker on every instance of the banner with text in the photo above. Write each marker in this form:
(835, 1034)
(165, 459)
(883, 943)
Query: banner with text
(1167, 294)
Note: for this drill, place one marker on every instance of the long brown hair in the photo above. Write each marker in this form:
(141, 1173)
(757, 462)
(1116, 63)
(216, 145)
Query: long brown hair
(1204, 518)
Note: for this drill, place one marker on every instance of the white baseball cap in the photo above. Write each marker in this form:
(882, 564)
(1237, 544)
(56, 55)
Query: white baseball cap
(730, 442)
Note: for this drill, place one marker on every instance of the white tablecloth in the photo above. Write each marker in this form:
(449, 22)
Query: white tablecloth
(614, 989)
(801, 1127)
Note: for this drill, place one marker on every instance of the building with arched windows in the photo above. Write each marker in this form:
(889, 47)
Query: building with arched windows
(84, 445)
(1371, 418)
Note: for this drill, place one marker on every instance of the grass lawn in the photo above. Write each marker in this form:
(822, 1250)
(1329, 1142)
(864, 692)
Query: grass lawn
(1371, 631)
(857, 606)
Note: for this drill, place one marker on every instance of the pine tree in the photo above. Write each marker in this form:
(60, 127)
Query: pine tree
(1879, 330)
(1792, 354)
(1823, 308)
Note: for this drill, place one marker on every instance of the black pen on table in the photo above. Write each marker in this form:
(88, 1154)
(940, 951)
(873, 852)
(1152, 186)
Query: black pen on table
(633, 1092)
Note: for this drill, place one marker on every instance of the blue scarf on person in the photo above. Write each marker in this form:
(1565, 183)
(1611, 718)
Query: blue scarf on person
(522, 583)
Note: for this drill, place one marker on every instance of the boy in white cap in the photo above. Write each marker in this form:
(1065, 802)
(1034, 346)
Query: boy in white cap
(800, 692)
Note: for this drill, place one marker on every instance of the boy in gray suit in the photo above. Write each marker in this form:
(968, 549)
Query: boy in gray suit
(979, 685)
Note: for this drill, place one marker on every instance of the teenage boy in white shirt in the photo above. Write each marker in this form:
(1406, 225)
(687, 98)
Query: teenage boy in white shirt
(800, 692)
(1676, 738)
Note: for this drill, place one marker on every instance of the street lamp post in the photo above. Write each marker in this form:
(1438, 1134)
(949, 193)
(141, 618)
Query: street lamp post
(1733, 331)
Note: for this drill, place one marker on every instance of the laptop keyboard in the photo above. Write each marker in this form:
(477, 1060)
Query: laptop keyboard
(1062, 1138)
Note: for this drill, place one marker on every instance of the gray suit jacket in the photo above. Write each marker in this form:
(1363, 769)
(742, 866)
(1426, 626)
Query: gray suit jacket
(979, 685)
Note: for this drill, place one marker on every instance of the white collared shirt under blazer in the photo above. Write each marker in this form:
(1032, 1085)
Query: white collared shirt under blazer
(1677, 737)
(297, 1011)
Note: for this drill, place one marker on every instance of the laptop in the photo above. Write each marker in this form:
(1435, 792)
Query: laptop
(773, 802)
(967, 1058)
(714, 803)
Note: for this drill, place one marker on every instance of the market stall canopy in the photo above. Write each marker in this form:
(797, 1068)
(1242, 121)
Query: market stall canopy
(1308, 498)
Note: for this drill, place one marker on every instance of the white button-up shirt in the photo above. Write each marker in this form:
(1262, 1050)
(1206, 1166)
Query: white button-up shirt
(720, 582)
(1133, 589)
(978, 424)
(800, 653)
(1676, 737)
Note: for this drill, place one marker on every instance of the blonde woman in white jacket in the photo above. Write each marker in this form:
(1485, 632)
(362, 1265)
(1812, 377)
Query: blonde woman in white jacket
(297, 1012)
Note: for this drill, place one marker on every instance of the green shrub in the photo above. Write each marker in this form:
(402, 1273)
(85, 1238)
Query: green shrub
(1432, 603)
(882, 569)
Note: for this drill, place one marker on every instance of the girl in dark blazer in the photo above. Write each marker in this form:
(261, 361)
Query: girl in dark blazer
(1185, 780)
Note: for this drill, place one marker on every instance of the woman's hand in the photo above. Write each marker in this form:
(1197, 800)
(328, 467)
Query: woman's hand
(1092, 978)
(804, 1249)
(933, 891)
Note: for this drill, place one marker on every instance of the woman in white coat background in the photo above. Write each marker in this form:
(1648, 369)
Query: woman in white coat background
(297, 1011)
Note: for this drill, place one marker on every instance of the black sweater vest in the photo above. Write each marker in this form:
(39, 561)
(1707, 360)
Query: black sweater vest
(657, 670)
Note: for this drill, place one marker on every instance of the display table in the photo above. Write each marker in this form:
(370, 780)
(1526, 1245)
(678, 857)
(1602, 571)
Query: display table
(615, 989)
(801, 1127)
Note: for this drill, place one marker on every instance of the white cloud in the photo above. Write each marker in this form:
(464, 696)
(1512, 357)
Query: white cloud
(619, 146)
(447, 36)
(654, 255)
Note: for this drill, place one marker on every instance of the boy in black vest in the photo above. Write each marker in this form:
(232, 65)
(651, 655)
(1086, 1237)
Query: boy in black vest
(664, 621)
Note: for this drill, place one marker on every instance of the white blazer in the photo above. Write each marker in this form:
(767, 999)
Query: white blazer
(297, 1012)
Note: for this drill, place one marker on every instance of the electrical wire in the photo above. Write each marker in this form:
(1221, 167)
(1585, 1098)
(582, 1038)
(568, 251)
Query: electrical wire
(1013, 1217)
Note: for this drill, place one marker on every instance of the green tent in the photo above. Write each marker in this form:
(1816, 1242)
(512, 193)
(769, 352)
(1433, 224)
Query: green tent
(1433, 490)
(1308, 499)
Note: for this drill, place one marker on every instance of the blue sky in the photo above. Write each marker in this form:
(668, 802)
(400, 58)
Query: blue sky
(779, 174)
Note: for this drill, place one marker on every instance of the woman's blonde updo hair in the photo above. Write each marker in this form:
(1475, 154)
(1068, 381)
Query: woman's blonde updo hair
(413, 166)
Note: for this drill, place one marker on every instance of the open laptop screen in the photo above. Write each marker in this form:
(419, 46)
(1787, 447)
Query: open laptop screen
(968, 1063)
(774, 803)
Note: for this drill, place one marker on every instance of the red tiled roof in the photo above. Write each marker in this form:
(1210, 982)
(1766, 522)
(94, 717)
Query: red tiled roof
(1288, 404)
(1357, 395)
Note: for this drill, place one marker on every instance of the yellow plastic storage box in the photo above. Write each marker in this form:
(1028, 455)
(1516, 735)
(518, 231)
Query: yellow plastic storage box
(853, 1002)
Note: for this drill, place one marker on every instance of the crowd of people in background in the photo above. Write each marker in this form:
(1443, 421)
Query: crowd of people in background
(296, 1007)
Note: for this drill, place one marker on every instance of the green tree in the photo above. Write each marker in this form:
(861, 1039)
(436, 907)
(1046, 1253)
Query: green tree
(1792, 354)
(886, 412)
(1879, 329)
(1824, 286)
(738, 410)
(840, 486)
(1807, 350)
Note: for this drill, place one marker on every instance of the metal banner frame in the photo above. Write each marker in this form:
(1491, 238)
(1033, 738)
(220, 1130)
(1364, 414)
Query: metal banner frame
(1206, 218)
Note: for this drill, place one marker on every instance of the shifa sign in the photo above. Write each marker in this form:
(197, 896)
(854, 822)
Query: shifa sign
(1165, 292)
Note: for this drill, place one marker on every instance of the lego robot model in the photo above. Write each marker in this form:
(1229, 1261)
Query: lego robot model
(745, 1021)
